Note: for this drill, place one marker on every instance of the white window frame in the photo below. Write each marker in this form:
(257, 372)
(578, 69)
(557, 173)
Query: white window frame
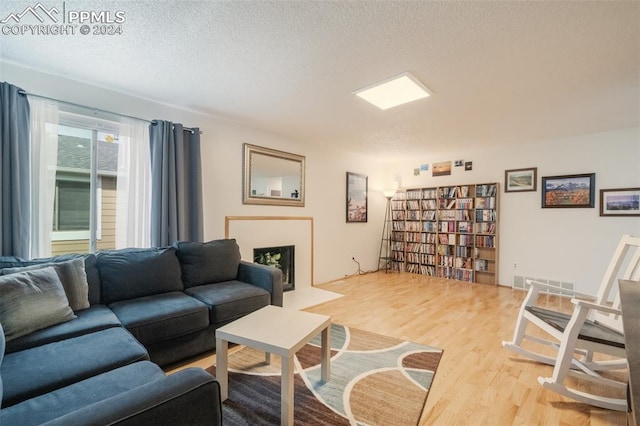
(95, 125)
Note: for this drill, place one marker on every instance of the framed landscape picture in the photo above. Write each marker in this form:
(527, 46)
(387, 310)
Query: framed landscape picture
(620, 202)
(568, 191)
(521, 180)
(356, 198)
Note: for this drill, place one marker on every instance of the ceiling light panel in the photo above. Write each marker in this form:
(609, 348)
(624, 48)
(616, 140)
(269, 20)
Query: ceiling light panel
(394, 91)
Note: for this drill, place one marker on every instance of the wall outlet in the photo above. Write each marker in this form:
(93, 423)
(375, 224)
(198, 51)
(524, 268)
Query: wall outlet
(515, 265)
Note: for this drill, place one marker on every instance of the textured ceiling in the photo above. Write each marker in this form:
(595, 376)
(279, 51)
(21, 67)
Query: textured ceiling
(501, 72)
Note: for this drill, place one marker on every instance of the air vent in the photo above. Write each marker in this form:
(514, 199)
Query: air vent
(562, 288)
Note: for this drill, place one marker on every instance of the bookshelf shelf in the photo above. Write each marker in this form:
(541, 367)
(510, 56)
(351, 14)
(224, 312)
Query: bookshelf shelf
(448, 231)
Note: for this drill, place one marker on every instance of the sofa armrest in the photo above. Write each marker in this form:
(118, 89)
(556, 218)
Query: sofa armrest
(266, 277)
(190, 396)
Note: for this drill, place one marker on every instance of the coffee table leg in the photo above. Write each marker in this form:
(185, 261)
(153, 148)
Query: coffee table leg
(286, 391)
(222, 375)
(325, 373)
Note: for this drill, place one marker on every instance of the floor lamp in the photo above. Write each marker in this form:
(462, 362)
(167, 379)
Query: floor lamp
(384, 258)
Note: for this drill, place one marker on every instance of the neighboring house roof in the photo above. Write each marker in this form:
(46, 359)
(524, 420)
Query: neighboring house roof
(74, 153)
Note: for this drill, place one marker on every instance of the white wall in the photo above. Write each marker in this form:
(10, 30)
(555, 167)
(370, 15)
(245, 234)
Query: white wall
(573, 244)
(566, 244)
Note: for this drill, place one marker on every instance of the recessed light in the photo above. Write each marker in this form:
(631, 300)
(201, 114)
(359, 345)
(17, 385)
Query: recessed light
(394, 91)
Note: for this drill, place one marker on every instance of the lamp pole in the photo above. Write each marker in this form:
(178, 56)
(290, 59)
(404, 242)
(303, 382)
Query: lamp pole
(384, 257)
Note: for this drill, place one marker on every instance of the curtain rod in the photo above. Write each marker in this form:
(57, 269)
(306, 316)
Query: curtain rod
(154, 122)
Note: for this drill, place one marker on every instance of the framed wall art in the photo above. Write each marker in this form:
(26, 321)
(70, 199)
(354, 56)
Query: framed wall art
(620, 202)
(521, 180)
(356, 197)
(568, 191)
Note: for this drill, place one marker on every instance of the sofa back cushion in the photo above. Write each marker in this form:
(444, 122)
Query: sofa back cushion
(129, 273)
(90, 269)
(32, 300)
(3, 344)
(208, 263)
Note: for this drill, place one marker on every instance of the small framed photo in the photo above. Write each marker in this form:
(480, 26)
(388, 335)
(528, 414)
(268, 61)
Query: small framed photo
(568, 191)
(521, 180)
(620, 202)
(356, 198)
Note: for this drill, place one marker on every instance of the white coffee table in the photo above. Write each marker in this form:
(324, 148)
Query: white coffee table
(279, 331)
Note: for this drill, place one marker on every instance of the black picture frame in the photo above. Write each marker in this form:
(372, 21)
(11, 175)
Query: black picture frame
(620, 202)
(357, 208)
(569, 191)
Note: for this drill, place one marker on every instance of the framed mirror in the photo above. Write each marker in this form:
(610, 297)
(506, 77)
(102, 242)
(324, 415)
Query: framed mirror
(272, 177)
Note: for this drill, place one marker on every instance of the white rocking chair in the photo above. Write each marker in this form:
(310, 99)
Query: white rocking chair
(594, 327)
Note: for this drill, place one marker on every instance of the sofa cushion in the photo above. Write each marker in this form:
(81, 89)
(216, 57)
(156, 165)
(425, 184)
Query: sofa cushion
(72, 277)
(65, 400)
(130, 273)
(207, 263)
(32, 300)
(36, 371)
(230, 300)
(2, 348)
(91, 271)
(160, 317)
(96, 318)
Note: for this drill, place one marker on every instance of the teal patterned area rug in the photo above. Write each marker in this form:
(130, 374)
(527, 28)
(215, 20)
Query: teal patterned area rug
(375, 380)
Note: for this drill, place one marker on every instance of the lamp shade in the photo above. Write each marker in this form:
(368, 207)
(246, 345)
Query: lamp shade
(389, 193)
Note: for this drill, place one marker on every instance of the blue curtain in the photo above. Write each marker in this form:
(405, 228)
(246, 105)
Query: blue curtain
(14, 172)
(176, 184)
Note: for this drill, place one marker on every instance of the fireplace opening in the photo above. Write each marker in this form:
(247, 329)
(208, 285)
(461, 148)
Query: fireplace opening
(281, 257)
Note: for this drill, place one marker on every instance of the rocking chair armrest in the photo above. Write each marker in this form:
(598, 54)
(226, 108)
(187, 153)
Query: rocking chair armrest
(574, 293)
(595, 306)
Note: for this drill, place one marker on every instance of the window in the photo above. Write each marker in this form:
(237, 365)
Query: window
(72, 206)
(84, 204)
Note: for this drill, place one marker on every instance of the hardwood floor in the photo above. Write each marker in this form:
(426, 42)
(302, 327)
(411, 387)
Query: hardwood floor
(478, 382)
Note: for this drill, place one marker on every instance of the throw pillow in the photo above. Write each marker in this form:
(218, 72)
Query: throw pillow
(72, 276)
(32, 300)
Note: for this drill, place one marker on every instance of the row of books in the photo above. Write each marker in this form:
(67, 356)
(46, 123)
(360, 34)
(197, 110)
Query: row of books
(421, 269)
(414, 226)
(486, 215)
(429, 226)
(455, 274)
(398, 226)
(414, 237)
(397, 215)
(486, 203)
(450, 226)
(429, 204)
(447, 226)
(486, 190)
(482, 190)
(416, 241)
(482, 265)
(413, 247)
(445, 204)
(413, 205)
(449, 239)
(485, 241)
(465, 240)
(440, 250)
(428, 215)
(455, 214)
(453, 192)
(484, 228)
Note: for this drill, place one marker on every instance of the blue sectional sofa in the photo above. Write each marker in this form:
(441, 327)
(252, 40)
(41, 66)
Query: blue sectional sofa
(92, 352)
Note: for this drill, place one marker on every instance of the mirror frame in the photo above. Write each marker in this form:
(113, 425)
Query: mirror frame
(247, 198)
